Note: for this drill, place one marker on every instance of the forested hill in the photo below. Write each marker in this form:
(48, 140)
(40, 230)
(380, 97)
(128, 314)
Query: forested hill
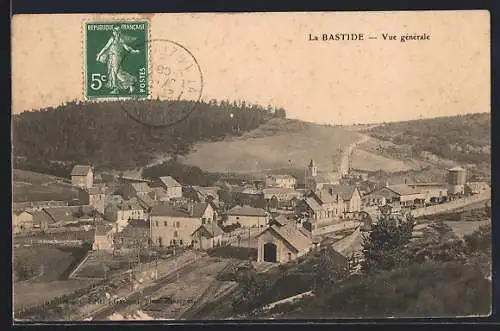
(463, 138)
(103, 135)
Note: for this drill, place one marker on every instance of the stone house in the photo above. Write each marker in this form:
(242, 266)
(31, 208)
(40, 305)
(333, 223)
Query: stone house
(207, 236)
(22, 221)
(82, 176)
(173, 225)
(247, 217)
(282, 243)
(281, 181)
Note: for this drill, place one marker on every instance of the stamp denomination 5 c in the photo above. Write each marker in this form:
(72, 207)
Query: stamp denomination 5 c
(116, 59)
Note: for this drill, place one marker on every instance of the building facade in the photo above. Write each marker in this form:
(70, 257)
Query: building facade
(281, 181)
(82, 176)
(174, 225)
(247, 217)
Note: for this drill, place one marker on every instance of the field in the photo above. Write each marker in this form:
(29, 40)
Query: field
(56, 262)
(278, 144)
(368, 161)
(46, 264)
(32, 186)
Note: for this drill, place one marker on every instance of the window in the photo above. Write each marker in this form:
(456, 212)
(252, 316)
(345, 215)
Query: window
(180, 242)
(156, 223)
(178, 224)
(165, 223)
(203, 220)
(175, 234)
(237, 218)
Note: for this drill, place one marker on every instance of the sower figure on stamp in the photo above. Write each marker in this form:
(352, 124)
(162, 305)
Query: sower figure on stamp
(111, 55)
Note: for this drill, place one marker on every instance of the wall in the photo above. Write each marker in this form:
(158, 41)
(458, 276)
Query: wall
(174, 192)
(247, 221)
(335, 227)
(444, 207)
(187, 225)
(282, 249)
(22, 222)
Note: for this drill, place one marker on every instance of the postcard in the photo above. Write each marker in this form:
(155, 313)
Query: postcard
(235, 166)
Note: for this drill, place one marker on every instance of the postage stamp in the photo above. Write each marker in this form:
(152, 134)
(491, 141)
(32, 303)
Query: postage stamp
(116, 59)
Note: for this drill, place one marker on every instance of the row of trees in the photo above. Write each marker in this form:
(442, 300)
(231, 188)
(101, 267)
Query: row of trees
(440, 135)
(105, 135)
(389, 244)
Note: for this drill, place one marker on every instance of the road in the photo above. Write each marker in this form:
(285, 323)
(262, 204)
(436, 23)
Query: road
(346, 155)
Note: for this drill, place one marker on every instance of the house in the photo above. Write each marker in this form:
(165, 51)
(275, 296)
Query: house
(61, 216)
(284, 197)
(174, 225)
(247, 217)
(351, 198)
(202, 194)
(171, 186)
(473, 188)
(207, 236)
(96, 196)
(280, 220)
(158, 194)
(433, 192)
(103, 237)
(331, 204)
(281, 181)
(282, 244)
(136, 234)
(135, 189)
(82, 176)
(400, 193)
(22, 221)
(313, 181)
(124, 211)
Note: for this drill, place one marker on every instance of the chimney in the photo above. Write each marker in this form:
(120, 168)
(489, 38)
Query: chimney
(190, 209)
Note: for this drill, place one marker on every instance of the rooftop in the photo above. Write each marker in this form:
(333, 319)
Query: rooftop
(168, 181)
(212, 229)
(81, 170)
(246, 211)
(166, 209)
(298, 240)
(403, 189)
(344, 191)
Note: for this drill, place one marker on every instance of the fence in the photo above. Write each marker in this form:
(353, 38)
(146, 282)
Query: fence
(336, 227)
(448, 206)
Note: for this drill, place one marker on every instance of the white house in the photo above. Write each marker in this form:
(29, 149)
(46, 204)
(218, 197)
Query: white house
(281, 181)
(247, 216)
(82, 176)
(174, 225)
(22, 221)
(124, 211)
(172, 187)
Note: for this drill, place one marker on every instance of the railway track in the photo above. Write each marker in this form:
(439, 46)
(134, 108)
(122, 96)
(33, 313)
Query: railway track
(134, 297)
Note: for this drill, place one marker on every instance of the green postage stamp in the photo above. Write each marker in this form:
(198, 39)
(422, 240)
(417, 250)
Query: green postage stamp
(116, 59)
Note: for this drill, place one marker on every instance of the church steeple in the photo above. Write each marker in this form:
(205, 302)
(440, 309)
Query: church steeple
(313, 169)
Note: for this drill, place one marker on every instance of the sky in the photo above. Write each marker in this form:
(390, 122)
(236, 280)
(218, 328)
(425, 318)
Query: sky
(266, 58)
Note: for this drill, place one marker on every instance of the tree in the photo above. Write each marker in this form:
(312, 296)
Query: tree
(382, 248)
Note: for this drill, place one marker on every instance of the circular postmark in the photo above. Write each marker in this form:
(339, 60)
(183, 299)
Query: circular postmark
(175, 81)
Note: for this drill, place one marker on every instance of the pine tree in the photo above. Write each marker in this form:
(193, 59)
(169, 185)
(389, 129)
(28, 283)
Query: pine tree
(382, 248)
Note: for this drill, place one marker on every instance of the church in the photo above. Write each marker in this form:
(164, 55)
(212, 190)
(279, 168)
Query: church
(314, 182)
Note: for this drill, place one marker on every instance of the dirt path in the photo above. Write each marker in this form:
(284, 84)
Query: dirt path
(347, 154)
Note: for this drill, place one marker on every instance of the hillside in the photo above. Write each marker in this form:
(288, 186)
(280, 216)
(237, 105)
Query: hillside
(279, 145)
(31, 186)
(104, 135)
(432, 290)
(463, 138)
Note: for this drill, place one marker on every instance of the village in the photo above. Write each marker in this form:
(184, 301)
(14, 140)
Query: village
(149, 233)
